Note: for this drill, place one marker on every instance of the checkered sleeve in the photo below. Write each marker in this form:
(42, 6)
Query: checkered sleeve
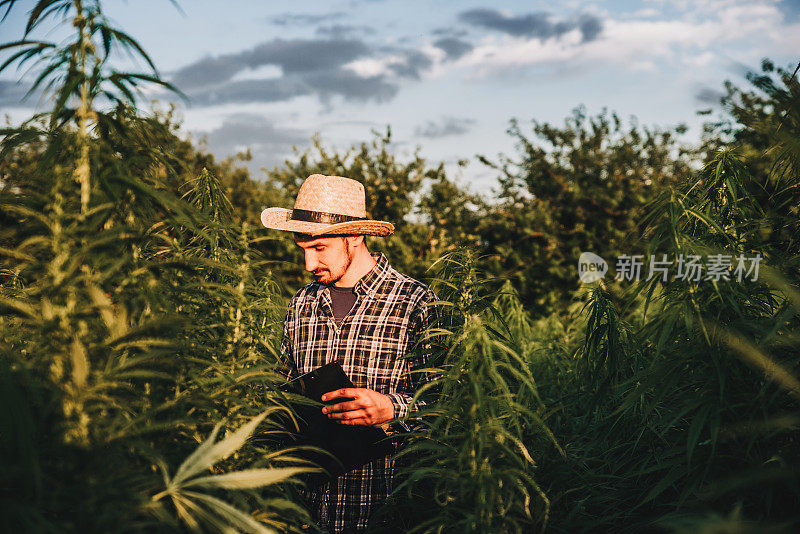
(422, 318)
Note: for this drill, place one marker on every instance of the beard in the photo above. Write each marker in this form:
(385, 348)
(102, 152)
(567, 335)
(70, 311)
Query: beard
(330, 277)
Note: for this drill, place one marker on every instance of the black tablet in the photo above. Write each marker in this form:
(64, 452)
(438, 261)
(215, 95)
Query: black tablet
(350, 446)
(321, 380)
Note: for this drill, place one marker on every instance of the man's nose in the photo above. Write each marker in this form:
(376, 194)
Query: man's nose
(311, 260)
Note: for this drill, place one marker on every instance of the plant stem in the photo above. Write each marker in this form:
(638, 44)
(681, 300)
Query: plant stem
(84, 47)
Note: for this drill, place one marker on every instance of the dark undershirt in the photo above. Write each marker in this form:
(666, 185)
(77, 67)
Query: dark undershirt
(343, 299)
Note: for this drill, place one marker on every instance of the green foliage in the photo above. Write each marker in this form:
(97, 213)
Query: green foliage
(123, 341)
(470, 470)
(582, 187)
(760, 120)
(689, 416)
(132, 322)
(141, 316)
(196, 508)
(78, 74)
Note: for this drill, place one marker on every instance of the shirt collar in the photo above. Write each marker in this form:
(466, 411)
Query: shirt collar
(369, 282)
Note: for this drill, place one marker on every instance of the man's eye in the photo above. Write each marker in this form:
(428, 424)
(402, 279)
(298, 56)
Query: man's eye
(319, 248)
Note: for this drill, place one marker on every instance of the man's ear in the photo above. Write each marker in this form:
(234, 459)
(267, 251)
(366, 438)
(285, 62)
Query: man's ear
(356, 240)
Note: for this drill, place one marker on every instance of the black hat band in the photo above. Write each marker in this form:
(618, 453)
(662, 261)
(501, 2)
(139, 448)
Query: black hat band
(321, 217)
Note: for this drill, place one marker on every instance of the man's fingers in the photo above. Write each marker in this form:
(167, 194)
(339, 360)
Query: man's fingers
(344, 392)
(343, 406)
(349, 415)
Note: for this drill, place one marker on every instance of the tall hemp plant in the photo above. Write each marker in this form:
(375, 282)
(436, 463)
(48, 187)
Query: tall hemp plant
(135, 324)
(733, 399)
(467, 466)
(696, 426)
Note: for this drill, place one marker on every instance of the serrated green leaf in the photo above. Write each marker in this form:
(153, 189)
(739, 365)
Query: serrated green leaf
(248, 478)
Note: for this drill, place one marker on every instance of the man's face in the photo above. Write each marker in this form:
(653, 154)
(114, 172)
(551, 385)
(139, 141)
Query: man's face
(327, 258)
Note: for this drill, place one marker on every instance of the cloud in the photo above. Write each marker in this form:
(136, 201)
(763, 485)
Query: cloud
(338, 30)
(539, 25)
(13, 94)
(590, 26)
(307, 67)
(301, 19)
(709, 96)
(268, 143)
(637, 44)
(446, 126)
(297, 55)
(208, 70)
(394, 63)
(242, 91)
(450, 31)
(411, 64)
(351, 86)
(324, 84)
(453, 47)
(302, 55)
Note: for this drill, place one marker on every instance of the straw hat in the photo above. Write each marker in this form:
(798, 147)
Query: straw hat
(327, 205)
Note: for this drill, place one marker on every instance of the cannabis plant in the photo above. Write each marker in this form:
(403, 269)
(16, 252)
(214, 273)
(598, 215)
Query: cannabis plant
(134, 322)
(469, 468)
(688, 417)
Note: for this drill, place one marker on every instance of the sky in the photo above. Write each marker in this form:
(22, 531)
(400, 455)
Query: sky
(447, 76)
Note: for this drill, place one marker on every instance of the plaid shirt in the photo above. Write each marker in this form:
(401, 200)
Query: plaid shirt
(384, 324)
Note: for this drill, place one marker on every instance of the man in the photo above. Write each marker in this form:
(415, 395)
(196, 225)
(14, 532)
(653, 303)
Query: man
(362, 312)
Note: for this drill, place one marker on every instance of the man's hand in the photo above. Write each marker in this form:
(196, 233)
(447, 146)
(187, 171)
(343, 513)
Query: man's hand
(368, 407)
